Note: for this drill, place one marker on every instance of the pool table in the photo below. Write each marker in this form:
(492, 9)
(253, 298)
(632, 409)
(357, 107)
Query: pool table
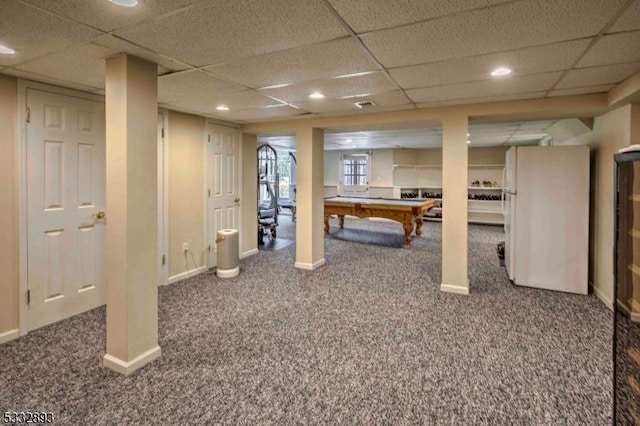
(404, 211)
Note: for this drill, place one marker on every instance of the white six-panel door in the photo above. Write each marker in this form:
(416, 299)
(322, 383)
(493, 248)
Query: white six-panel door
(223, 192)
(65, 193)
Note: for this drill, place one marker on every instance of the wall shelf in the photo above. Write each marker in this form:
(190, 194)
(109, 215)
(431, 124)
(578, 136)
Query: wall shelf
(424, 181)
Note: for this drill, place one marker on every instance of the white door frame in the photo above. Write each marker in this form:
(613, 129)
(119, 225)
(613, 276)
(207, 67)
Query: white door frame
(163, 200)
(206, 187)
(23, 86)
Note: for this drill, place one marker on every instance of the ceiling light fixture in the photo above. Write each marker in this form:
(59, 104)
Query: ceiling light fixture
(356, 74)
(316, 95)
(499, 72)
(468, 141)
(222, 108)
(6, 50)
(125, 3)
(275, 86)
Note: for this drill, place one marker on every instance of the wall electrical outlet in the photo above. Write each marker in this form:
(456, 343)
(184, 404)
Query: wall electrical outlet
(185, 247)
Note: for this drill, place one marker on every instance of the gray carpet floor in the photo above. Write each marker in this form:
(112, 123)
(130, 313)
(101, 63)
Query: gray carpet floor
(367, 339)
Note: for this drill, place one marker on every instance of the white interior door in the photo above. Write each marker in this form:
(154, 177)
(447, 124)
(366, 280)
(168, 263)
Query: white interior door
(65, 192)
(223, 183)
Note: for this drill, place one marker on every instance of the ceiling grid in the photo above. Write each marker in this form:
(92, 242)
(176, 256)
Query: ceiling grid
(400, 55)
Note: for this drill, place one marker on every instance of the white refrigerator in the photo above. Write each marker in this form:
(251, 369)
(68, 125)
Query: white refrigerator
(546, 216)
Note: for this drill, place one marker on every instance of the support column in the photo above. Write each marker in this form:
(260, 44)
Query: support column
(455, 159)
(132, 287)
(310, 198)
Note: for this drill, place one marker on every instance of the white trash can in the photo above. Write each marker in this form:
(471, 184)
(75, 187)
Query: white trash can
(227, 246)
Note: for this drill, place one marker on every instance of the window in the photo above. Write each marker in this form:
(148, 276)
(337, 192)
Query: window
(355, 169)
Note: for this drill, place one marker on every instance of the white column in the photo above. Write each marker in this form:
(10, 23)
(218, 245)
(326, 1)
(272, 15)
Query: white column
(455, 184)
(310, 198)
(132, 288)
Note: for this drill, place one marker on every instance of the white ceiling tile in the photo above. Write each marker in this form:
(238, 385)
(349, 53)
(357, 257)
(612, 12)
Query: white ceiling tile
(214, 32)
(83, 64)
(234, 100)
(336, 88)
(509, 26)
(497, 87)
(595, 76)
(382, 100)
(193, 84)
(122, 46)
(530, 60)
(32, 32)
(325, 60)
(582, 90)
(264, 113)
(613, 49)
(369, 15)
(630, 20)
(106, 15)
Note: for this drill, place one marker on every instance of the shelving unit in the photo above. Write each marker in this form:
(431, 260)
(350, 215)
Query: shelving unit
(425, 181)
(626, 329)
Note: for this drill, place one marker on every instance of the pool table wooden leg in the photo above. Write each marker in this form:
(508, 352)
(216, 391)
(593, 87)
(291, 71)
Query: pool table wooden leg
(326, 223)
(408, 227)
(341, 219)
(419, 226)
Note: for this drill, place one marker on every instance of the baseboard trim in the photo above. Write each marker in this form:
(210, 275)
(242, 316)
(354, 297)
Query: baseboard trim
(125, 368)
(310, 266)
(249, 253)
(604, 299)
(633, 316)
(457, 289)
(8, 336)
(187, 274)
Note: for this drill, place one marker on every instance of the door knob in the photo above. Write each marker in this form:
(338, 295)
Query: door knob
(99, 215)
(237, 200)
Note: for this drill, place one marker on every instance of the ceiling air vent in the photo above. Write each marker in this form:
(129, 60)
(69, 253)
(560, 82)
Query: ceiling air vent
(365, 104)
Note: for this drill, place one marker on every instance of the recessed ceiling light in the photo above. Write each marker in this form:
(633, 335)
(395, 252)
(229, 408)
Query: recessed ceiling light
(468, 141)
(499, 72)
(6, 50)
(316, 95)
(125, 3)
(222, 108)
(468, 134)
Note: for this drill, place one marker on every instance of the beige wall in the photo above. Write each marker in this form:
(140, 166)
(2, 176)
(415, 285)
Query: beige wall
(433, 156)
(331, 167)
(9, 201)
(611, 131)
(186, 191)
(381, 167)
(493, 155)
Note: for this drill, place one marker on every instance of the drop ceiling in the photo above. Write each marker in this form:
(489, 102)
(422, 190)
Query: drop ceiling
(401, 54)
(481, 135)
